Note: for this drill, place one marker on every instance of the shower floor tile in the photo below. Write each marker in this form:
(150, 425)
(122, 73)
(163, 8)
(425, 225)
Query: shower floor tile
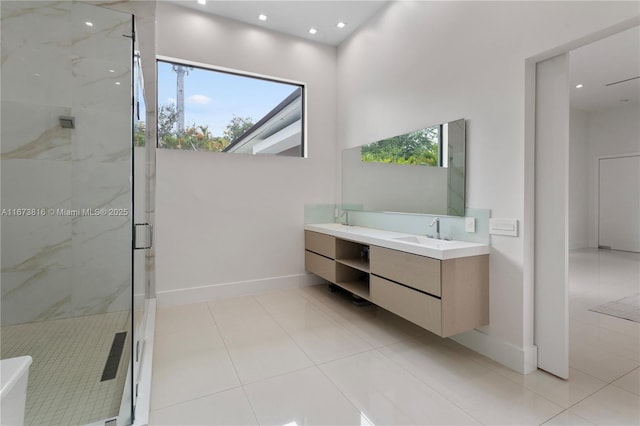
(69, 356)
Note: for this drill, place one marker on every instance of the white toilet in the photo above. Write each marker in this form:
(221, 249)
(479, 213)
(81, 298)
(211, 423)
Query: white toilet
(14, 375)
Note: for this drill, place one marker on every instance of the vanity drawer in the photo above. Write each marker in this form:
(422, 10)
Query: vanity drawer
(320, 265)
(416, 307)
(320, 243)
(419, 272)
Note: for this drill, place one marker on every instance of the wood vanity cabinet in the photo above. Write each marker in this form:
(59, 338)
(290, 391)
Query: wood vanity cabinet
(445, 297)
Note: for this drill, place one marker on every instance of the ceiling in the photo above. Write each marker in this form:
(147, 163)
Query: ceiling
(609, 60)
(612, 59)
(296, 17)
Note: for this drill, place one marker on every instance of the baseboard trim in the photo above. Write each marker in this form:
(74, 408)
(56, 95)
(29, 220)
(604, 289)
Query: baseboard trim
(523, 360)
(576, 245)
(232, 289)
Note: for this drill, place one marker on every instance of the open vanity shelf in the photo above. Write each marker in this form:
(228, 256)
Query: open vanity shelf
(445, 296)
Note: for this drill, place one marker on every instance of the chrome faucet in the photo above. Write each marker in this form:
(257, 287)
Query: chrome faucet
(346, 214)
(436, 222)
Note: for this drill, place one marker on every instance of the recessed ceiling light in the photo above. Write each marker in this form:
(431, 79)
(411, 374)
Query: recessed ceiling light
(312, 31)
(341, 24)
(579, 86)
(89, 24)
(262, 17)
(112, 70)
(117, 83)
(202, 1)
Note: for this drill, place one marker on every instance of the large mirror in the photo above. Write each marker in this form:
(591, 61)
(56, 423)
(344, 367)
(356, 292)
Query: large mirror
(419, 172)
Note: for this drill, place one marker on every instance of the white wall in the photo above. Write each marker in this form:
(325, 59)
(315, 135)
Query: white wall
(424, 62)
(595, 134)
(612, 131)
(231, 218)
(578, 180)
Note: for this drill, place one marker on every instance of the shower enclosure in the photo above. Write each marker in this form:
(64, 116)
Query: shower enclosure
(74, 233)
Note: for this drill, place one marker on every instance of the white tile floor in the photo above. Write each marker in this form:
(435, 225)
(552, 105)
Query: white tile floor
(308, 356)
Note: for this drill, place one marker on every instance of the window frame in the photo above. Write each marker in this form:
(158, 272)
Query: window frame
(240, 73)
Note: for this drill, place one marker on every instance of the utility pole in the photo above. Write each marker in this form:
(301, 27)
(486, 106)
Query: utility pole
(181, 71)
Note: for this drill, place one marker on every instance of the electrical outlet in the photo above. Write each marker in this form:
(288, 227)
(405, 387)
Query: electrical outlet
(470, 224)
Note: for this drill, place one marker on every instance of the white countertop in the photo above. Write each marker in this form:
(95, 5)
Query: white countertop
(423, 246)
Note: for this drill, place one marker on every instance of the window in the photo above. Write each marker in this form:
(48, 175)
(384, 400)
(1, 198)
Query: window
(202, 109)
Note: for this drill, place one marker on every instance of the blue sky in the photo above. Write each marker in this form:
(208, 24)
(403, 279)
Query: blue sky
(212, 98)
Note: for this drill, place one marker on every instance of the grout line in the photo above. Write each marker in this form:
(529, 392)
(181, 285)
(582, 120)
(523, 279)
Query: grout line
(562, 412)
(432, 388)
(196, 398)
(235, 369)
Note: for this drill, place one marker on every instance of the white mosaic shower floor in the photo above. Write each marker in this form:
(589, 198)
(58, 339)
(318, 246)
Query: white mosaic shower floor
(69, 356)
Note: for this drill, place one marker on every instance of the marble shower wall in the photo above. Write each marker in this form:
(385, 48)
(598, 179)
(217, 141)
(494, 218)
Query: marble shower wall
(66, 262)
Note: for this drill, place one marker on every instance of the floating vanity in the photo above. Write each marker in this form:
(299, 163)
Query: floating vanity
(442, 286)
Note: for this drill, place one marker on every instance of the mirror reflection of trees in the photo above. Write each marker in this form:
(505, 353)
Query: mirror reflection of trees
(418, 148)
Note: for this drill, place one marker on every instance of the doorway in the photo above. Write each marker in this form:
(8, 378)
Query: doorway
(550, 252)
(619, 203)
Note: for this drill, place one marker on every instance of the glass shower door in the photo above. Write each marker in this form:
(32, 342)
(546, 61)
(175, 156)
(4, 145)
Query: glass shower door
(66, 164)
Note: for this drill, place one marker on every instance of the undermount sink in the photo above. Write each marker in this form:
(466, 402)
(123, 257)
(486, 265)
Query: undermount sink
(427, 241)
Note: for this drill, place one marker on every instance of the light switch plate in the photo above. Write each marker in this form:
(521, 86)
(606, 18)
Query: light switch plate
(507, 227)
(470, 224)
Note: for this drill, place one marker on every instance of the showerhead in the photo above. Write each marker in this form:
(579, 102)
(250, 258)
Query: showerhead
(67, 122)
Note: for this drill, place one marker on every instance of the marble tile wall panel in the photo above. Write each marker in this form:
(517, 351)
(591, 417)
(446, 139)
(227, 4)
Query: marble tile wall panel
(36, 242)
(102, 136)
(54, 64)
(107, 37)
(102, 160)
(102, 244)
(37, 76)
(36, 66)
(39, 295)
(33, 132)
(35, 23)
(101, 287)
(97, 88)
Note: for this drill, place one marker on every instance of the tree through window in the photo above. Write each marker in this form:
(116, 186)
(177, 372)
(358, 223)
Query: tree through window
(202, 109)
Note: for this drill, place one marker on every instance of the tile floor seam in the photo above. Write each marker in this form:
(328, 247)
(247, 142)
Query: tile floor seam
(587, 396)
(278, 375)
(393, 403)
(542, 395)
(194, 399)
(603, 380)
(226, 347)
(628, 372)
(213, 317)
(618, 386)
(253, 410)
(592, 394)
(292, 338)
(338, 388)
(433, 389)
(235, 369)
(284, 330)
(566, 410)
